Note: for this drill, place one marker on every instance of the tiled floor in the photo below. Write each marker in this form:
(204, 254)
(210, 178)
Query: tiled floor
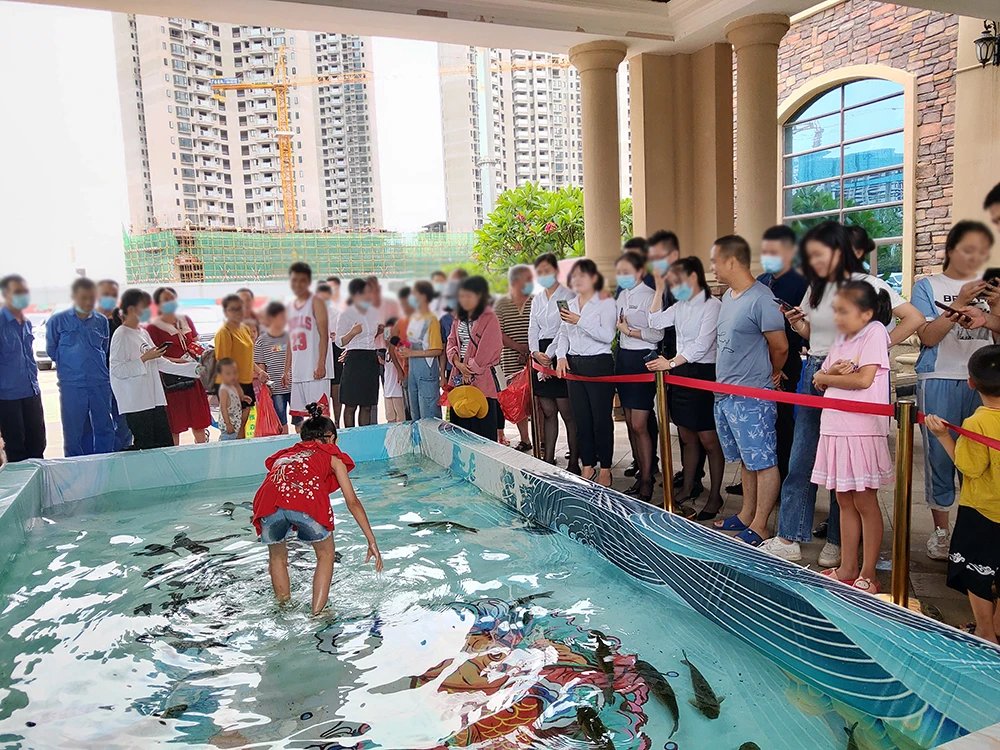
(927, 583)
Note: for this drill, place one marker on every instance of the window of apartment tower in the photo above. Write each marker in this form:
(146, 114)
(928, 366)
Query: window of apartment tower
(843, 160)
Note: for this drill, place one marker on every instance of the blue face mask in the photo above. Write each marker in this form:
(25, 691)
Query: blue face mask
(660, 266)
(169, 307)
(107, 303)
(682, 293)
(20, 301)
(439, 286)
(80, 311)
(145, 315)
(546, 281)
(625, 282)
(362, 305)
(412, 300)
(771, 263)
(528, 288)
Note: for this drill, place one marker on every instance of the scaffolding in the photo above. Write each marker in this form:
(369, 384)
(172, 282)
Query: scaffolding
(181, 255)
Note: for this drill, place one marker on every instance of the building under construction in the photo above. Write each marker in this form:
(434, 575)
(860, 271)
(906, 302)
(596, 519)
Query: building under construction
(198, 256)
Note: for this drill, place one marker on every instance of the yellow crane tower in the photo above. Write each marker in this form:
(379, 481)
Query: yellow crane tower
(282, 82)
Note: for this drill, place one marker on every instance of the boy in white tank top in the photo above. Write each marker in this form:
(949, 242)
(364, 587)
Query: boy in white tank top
(309, 341)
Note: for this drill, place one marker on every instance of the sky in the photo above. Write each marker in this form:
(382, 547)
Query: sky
(64, 201)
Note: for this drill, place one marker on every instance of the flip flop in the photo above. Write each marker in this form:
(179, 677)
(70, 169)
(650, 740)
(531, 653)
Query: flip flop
(751, 537)
(733, 523)
(832, 573)
(867, 585)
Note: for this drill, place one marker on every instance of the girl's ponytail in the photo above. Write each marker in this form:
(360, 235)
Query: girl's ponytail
(868, 299)
(883, 308)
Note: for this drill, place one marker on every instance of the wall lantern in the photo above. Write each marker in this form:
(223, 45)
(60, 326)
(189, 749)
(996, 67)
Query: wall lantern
(988, 45)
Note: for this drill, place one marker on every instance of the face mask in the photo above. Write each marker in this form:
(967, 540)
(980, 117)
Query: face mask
(546, 281)
(20, 301)
(682, 293)
(412, 299)
(660, 266)
(169, 307)
(438, 287)
(145, 315)
(625, 282)
(771, 263)
(528, 288)
(79, 310)
(362, 305)
(107, 303)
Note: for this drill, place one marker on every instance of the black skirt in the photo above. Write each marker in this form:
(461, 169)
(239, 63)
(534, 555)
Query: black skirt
(551, 387)
(359, 379)
(640, 396)
(691, 408)
(338, 366)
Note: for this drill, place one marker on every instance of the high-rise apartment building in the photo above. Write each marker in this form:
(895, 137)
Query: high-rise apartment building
(200, 158)
(509, 117)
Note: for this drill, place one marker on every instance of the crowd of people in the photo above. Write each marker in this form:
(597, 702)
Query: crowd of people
(815, 321)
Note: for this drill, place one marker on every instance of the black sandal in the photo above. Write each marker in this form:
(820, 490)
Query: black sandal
(523, 447)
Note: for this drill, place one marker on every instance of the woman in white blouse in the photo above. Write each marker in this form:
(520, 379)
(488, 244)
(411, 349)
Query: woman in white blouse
(543, 327)
(695, 316)
(583, 347)
(357, 328)
(637, 340)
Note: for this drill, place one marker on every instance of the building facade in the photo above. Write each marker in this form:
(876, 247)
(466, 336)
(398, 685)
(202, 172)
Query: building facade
(199, 158)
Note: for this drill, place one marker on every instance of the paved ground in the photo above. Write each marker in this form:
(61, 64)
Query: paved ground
(926, 576)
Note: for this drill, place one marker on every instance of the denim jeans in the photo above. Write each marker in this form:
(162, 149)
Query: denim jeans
(424, 387)
(798, 493)
(954, 402)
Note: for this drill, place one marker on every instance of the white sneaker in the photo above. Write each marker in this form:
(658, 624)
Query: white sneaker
(829, 556)
(938, 544)
(774, 546)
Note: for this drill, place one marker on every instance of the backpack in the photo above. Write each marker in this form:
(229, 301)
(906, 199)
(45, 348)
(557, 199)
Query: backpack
(211, 369)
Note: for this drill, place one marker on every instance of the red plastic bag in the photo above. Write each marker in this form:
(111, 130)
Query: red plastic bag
(267, 418)
(515, 399)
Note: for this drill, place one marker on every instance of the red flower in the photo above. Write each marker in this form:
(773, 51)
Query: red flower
(550, 227)
(520, 217)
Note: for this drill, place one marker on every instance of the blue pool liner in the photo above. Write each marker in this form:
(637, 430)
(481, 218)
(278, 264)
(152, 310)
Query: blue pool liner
(923, 681)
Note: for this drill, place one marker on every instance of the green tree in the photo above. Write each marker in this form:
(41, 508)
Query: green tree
(528, 221)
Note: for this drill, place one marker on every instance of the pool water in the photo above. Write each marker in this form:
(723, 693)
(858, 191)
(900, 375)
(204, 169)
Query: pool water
(134, 621)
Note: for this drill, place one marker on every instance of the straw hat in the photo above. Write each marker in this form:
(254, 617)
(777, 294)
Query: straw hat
(468, 401)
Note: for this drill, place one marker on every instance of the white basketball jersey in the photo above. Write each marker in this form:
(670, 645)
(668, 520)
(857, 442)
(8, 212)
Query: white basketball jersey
(303, 337)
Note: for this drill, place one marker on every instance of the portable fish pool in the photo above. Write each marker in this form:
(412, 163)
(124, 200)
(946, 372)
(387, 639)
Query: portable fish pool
(519, 607)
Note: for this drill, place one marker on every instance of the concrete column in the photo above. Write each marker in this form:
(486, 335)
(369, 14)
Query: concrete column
(755, 40)
(597, 63)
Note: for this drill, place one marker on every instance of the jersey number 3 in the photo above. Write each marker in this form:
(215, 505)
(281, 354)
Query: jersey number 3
(299, 342)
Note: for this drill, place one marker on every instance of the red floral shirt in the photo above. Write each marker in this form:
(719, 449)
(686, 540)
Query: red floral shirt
(300, 478)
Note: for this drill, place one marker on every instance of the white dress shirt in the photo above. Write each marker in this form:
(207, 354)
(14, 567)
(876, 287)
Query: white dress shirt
(136, 384)
(696, 321)
(545, 320)
(369, 328)
(635, 303)
(593, 333)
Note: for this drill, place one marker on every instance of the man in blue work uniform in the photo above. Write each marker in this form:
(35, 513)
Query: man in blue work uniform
(78, 342)
(107, 305)
(22, 423)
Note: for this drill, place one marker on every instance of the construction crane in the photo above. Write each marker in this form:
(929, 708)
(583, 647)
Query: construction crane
(282, 82)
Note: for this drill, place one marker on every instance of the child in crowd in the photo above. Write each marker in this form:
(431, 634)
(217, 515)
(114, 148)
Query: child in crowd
(974, 559)
(395, 376)
(233, 403)
(853, 455)
(272, 359)
(295, 496)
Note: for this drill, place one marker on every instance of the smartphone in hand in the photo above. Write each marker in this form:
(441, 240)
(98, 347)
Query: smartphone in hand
(951, 310)
(562, 305)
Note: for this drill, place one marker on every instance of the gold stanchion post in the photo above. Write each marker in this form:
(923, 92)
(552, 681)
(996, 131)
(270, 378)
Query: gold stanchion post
(906, 420)
(536, 444)
(666, 460)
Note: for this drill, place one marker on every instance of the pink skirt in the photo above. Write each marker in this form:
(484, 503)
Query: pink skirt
(852, 463)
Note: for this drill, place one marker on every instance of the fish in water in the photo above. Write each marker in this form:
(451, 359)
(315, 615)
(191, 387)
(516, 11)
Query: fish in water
(852, 744)
(174, 711)
(593, 728)
(443, 526)
(537, 530)
(659, 687)
(705, 699)
(151, 550)
(143, 609)
(227, 509)
(749, 746)
(606, 662)
(337, 557)
(521, 601)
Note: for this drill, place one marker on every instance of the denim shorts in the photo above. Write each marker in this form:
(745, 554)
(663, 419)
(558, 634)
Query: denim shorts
(746, 431)
(278, 527)
(280, 401)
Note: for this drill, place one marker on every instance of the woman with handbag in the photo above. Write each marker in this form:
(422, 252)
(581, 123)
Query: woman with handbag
(474, 348)
(187, 401)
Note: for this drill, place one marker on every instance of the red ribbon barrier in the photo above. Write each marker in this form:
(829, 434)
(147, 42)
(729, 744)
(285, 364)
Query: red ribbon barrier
(799, 399)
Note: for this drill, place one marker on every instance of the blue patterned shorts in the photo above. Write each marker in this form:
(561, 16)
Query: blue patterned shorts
(746, 431)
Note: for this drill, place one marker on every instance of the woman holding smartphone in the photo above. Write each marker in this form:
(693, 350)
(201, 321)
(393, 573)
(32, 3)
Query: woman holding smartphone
(637, 340)
(583, 347)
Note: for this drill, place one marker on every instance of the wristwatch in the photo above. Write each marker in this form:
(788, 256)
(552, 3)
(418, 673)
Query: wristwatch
(671, 364)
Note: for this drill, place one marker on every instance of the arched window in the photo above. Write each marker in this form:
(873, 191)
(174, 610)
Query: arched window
(843, 160)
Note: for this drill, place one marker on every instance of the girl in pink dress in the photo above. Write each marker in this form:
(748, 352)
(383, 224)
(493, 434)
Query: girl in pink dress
(853, 453)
